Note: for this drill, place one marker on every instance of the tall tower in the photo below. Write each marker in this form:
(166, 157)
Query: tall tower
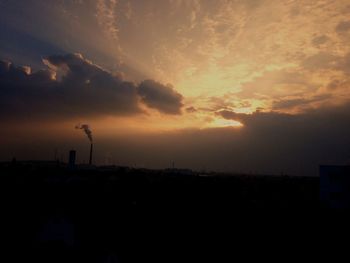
(91, 148)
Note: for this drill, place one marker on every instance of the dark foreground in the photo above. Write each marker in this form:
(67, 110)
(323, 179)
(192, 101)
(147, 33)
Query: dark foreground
(113, 215)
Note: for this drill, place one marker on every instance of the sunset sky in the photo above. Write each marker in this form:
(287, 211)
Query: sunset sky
(258, 86)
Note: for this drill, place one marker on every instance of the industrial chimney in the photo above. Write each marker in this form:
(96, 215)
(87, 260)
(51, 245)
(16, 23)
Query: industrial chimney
(91, 148)
(88, 132)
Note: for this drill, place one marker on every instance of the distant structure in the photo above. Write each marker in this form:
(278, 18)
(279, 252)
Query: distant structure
(72, 158)
(90, 159)
(335, 186)
(88, 132)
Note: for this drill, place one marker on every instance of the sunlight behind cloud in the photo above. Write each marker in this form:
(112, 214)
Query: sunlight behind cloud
(222, 123)
(240, 56)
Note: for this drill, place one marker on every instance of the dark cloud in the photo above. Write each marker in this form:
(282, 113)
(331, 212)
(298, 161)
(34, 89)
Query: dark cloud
(158, 96)
(288, 104)
(231, 115)
(83, 90)
(191, 109)
(319, 40)
(75, 87)
(343, 26)
(300, 103)
(294, 143)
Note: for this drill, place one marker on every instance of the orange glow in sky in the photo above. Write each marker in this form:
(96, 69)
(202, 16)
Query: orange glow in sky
(238, 56)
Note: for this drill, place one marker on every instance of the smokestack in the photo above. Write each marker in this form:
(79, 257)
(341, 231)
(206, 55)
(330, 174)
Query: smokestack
(90, 160)
(86, 129)
(88, 132)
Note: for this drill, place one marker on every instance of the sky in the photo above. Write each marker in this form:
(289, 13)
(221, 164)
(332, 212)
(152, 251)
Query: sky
(253, 86)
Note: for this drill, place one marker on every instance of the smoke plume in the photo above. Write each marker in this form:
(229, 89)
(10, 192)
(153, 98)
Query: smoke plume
(86, 129)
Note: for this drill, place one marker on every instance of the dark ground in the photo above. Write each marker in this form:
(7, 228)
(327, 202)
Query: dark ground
(60, 215)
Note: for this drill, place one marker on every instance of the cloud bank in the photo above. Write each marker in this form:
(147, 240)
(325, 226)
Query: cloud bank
(73, 86)
(158, 96)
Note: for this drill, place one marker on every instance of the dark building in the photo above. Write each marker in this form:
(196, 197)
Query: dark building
(335, 186)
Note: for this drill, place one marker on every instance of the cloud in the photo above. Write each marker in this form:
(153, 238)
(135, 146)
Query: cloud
(73, 87)
(291, 103)
(106, 17)
(327, 61)
(158, 96)
(320, 78)
(216, 103)
(319, 40)
(191, 109)
(276, 83)
(334, 84)
(343, 26)
(297, 143)
(231, 115)
(344, 64)
(322, 60)
(304, 103)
